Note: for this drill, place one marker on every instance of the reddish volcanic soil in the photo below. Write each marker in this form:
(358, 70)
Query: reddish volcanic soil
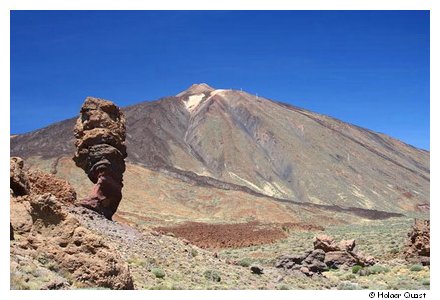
(216, 236)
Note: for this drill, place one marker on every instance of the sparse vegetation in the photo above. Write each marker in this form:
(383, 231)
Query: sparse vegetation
(416, 268)
(355, 269)
(347, 285)
(377, 269)
(426, 282)
(194, 252)
(212, 275)
(158, 272)
(245, 262)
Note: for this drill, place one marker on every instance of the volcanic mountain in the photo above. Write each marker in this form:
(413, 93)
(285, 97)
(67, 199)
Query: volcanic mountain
(239, 143)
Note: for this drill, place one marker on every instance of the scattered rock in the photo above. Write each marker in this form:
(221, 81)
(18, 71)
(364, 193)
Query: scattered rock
(363, 260)
(287, 262)
(256, 269)
(100, 152)
(305, 270)
(418, 244)
(317, 254)
(56, 285)
(309, 263)
(326, 254)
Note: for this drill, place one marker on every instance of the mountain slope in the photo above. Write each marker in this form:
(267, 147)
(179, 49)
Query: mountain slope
(265, 146)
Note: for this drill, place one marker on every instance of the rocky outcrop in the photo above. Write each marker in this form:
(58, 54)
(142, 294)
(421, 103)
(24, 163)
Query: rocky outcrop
(50, 239)
(341, 254)
(418, 244)
(19, 183)
(100, 152)
(41, 183)
(28, 184)
(310, 263)
(328, 244)
(83, 254)
(326, 254)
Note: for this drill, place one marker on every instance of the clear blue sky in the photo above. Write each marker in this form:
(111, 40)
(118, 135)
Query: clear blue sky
(369, 68)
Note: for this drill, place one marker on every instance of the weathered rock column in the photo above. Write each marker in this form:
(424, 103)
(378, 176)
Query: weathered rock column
(418, 249)
(100, 152)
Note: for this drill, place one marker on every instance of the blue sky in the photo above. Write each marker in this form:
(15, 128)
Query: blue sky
(369, 68)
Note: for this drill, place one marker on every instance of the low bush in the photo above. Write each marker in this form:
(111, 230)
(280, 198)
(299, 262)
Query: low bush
(212, 275)
(245, 262)
(159, 273)
(355, 269)
(416, 268)
(376, 269)
(347, 285)
(194, 252)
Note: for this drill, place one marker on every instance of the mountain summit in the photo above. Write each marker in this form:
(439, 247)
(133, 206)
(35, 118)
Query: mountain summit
(197, 88)
(269, 148)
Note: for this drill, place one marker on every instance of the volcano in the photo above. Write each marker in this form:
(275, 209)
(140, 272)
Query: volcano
(233, 140)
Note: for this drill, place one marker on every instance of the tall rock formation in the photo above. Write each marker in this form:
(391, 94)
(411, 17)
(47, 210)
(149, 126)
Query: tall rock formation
(100, 152)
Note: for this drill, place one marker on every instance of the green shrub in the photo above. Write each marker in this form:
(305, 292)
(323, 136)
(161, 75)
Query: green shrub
(136, 261)
(355, 269)
(159, 273)
(194, 252)
(394, 251)
(426, 282)
(212, 275)
(349, 277)
(376, 269)
(347, 285)
(245, 262)
(416, 268)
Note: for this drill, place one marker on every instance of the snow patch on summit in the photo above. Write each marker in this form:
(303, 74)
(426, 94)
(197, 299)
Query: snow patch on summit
(193, 101)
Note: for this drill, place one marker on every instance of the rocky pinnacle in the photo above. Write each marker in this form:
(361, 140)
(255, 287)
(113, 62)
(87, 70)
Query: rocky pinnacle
(100, 152)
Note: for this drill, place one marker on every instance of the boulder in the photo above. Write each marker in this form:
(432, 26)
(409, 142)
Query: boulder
(255, 269)
(347, 245)
(100, 152)
(362, 259)
(325, 243)
(337, 259)
(315, 261)
(289, 261)
(417, 249)
(328, 244)
(317, 254)
(326, 254)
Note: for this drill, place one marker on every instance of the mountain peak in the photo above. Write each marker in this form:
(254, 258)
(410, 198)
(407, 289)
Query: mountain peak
(197, 88)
